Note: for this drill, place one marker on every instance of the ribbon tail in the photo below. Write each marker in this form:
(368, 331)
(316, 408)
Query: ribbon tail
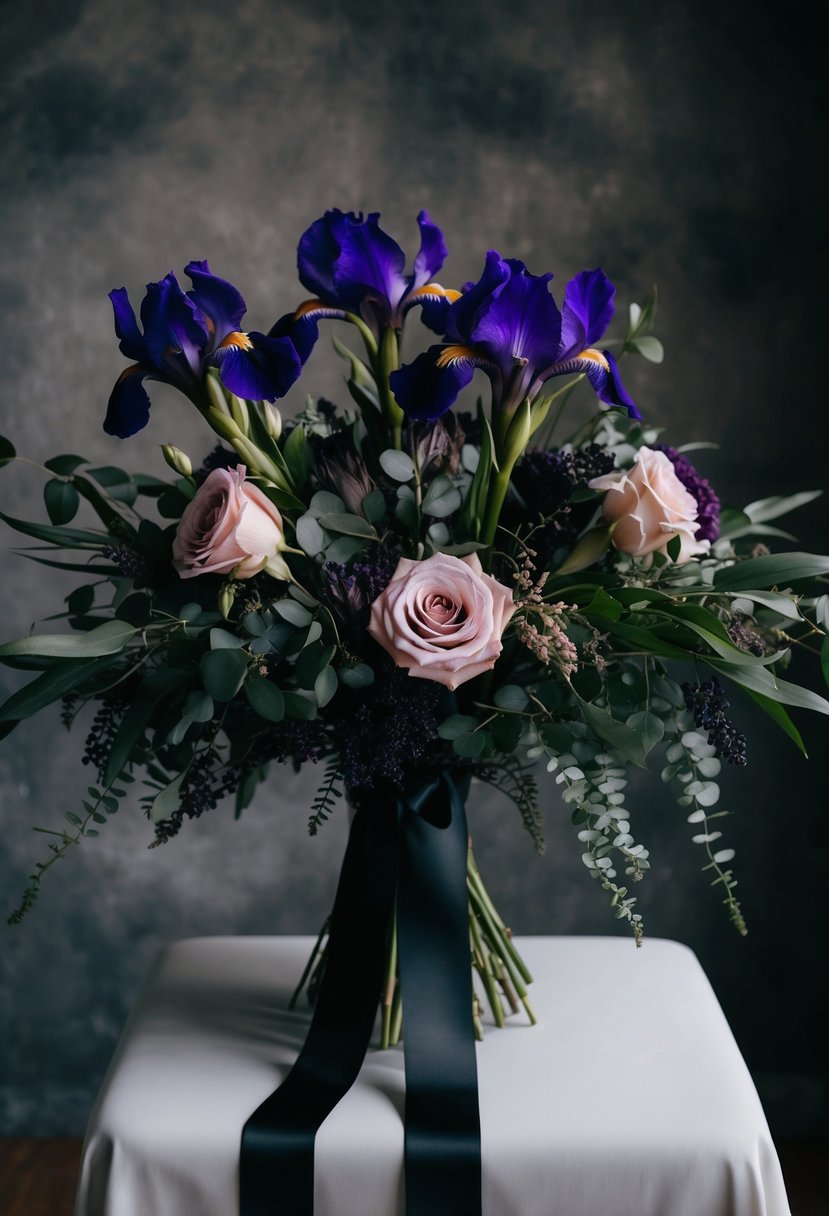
(443, 1132)
(277, 1154)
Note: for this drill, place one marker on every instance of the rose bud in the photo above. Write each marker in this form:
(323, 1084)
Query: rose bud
(230, 525)
(442, 618)
(648, 506)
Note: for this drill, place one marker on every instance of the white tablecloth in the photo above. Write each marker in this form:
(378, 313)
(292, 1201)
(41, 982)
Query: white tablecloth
(629, 1098)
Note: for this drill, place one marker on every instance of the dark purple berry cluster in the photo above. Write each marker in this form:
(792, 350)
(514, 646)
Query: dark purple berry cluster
(350, 588)
(387, 735)
(546, 480)
(130, 564)
(707, 703)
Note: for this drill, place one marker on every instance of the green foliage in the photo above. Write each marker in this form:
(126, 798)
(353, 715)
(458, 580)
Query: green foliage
(223, 673)
(326, 797)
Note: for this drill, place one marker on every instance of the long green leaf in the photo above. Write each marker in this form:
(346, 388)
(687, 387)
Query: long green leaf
(106, 571)
(65, 538)
(157, 686)
(642, 639)
(779, 715)
(50, 686)
(705, 625)
(771, 570)
(108, 638)
(763, 681)
(764, 509)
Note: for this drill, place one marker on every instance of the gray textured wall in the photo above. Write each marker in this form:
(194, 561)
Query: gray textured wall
(670, 143)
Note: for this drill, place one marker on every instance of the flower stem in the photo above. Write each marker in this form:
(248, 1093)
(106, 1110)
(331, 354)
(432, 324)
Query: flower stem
(390, 983)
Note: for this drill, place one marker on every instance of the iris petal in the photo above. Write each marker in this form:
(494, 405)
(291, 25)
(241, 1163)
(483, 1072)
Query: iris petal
(303, 332)
(318, 250)
(463, 316)
(370, 262)
(432, 252)
(521, 322)
(128, 410)
(261, 372)
(131, 342)
(425, 391)
(435, 302)
(612, 391)
(172, 322)
(587, 311)
(217, 298)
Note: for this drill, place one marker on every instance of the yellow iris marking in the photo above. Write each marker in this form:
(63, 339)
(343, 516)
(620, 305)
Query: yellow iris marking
(450, 354)
(237, 338)
(595, 356)
(435, 289)
(308, 306)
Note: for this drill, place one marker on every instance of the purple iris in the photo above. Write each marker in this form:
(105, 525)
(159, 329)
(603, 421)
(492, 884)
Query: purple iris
(508, 324)
(184, 334)
(355, 268)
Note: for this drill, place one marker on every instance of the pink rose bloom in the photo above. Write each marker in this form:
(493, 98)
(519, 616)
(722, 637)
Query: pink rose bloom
(442, 618)
(230, 525)
(649, 506)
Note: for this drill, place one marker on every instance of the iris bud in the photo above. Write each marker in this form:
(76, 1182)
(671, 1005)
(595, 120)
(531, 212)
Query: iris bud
(178, 461)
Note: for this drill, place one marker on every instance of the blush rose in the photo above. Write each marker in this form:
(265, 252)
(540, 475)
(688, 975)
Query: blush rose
(230, 525)
(648, 506)
(442, 618)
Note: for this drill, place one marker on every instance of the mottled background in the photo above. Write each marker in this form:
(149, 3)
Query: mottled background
(670, 143)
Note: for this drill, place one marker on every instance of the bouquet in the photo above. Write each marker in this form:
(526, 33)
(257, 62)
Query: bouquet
(420, 586)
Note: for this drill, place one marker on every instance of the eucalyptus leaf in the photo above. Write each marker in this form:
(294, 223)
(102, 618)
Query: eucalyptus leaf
(374, 506)
(457, 725)
(324, 502)
(299, 707)
(265, 698)
(292, 612)
(7, 450)
(470, 746)
(651, 348)
(62, 501)
(325, 685)
(223, 639)
(397, 465)
(310, 535)
(65, 464)
(442, 498)
(223, 673)
(511, 696)
(649, 726)
(348, 525)
(359, 676)
(620, 736)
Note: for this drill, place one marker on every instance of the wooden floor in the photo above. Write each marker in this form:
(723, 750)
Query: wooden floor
(37, 1177)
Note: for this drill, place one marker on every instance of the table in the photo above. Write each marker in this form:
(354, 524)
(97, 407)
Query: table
(630, 1098)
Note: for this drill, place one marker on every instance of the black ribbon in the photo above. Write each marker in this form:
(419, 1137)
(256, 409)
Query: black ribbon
(420, 845)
